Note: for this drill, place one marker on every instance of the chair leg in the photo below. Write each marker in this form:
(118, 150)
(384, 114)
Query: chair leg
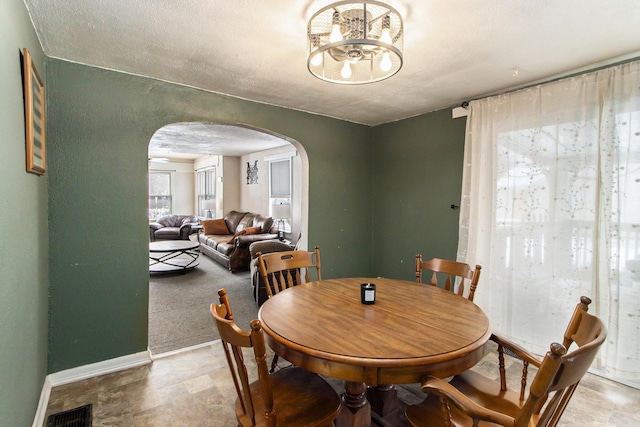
(274, 363)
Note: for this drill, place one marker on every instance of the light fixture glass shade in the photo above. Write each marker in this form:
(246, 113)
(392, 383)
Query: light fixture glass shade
(369, 43)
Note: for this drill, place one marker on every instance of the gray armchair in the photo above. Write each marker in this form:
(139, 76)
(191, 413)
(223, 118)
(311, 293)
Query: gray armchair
(172, 227)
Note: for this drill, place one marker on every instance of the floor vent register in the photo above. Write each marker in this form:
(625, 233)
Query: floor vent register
(78, 417)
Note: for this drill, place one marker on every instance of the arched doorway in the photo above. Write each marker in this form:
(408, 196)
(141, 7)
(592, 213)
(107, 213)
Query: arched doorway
(182, 149)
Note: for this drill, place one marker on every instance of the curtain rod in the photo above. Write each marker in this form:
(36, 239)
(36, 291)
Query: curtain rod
(620, 60)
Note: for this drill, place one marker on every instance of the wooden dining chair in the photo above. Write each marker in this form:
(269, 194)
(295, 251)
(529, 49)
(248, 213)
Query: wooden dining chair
(290, 397)
(471, 399)
(282, 270)
(451, 271)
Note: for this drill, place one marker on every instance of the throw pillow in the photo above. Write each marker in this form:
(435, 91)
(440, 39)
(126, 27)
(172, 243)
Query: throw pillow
(239, 233)
(214, 226)
(252, 230)
(244, 232)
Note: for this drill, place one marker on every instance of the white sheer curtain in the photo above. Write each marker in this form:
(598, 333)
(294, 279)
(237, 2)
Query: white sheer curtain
(551, 210)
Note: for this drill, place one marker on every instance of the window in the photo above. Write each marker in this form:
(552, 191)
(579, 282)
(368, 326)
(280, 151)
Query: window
(551, 211)
(159, 194)
(280, 179)
(280, 189)
(206, 190)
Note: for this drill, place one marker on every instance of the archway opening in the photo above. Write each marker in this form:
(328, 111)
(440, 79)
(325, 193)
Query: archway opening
(228, 154)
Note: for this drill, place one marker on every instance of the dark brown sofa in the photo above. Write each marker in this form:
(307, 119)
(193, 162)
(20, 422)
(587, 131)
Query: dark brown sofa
(227, 241)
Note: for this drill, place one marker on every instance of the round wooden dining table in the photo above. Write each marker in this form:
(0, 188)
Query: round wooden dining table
(410, 331)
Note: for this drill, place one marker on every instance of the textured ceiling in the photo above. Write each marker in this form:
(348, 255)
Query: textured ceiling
(455, 50)
(183, 140)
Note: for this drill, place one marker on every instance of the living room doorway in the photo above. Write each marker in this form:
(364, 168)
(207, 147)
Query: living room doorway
(178, 307)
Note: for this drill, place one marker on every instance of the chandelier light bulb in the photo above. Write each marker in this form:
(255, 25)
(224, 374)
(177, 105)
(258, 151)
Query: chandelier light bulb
(385, 37)
(346, 70)
(385, 63)
(335, 35)
(316, 59)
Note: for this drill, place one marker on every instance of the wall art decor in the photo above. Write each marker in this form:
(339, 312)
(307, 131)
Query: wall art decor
(252, 173)
(34, 116)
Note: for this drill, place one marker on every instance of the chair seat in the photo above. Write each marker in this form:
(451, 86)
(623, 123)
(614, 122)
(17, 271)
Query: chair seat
(290, 407)
(480, 389)
(487, 392)
(168, 232)
(539, 403)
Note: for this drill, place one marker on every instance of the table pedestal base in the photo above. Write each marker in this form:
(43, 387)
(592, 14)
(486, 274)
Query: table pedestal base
(383, 399)
(355, 410)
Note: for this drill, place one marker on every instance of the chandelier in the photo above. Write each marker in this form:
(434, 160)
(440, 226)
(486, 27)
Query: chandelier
(355, 42)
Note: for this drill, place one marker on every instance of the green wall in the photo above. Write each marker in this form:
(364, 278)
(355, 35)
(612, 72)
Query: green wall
(100, 124)
(418, 176)
(23, 241)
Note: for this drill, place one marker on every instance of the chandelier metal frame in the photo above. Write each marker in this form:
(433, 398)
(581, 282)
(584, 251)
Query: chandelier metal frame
(355, 42)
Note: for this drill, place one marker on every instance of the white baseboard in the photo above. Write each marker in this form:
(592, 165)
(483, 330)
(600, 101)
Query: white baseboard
(38, 420)
(183, 350)
(82, 373)
(100, 368)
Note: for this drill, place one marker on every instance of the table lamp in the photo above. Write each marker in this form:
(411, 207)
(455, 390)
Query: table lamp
(209, 205)
(280, 212)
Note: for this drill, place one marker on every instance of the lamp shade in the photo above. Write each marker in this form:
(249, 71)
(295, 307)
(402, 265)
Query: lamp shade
(209, 204)
(279, 211)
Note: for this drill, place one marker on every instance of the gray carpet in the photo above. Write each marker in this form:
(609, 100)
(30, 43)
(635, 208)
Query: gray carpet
(179, 305)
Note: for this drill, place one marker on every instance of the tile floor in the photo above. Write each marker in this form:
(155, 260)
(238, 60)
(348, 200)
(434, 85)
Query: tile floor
(193, 388)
